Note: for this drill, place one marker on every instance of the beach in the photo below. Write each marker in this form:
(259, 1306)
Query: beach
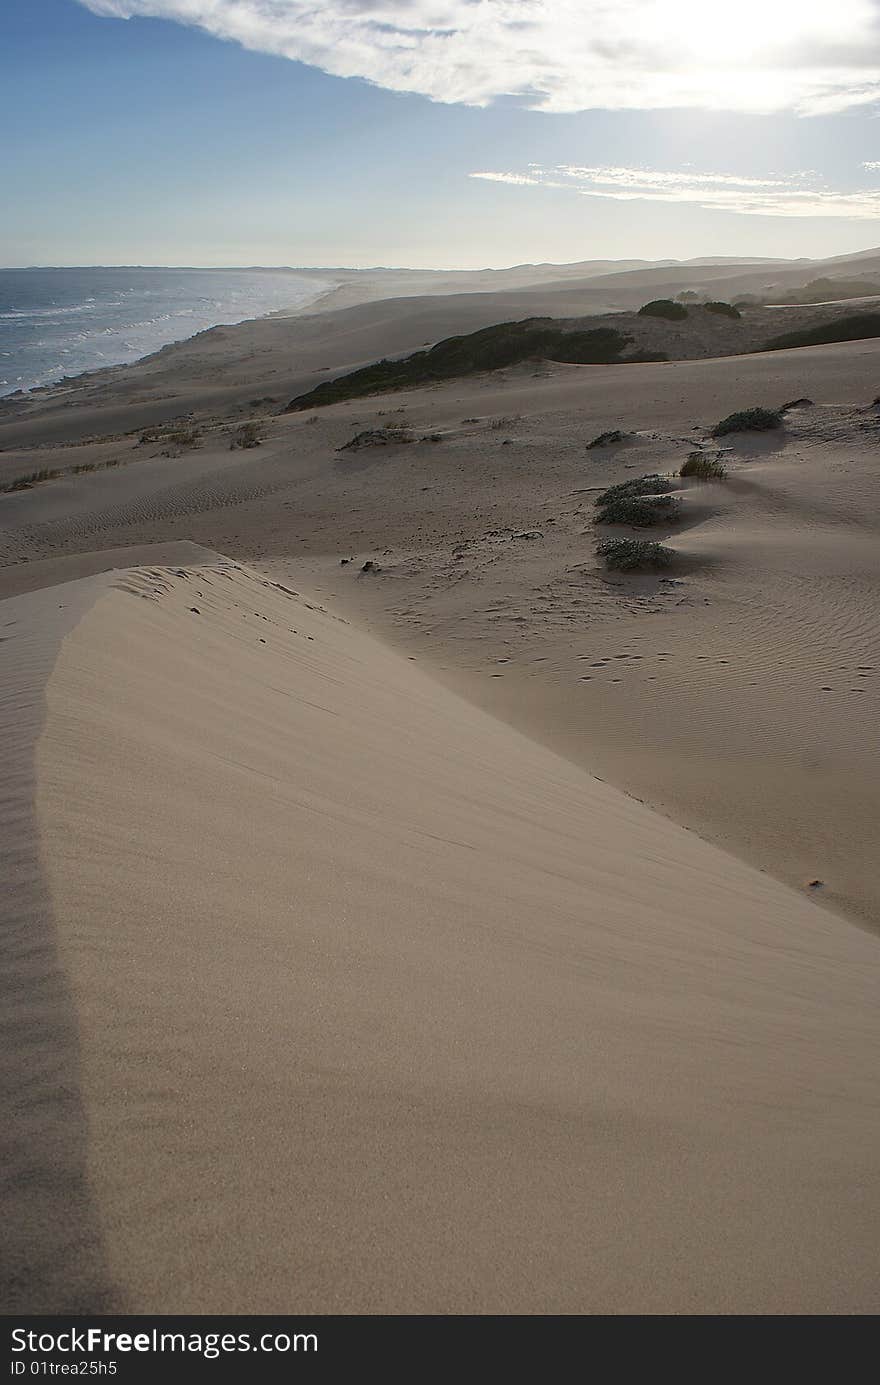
(416, 915)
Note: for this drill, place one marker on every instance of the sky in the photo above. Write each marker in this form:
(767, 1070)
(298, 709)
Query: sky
(436, 133)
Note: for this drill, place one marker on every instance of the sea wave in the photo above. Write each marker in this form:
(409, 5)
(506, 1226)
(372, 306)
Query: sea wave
(56, 323)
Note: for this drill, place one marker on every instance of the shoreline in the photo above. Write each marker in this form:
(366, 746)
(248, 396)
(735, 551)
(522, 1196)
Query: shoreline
(23, 393)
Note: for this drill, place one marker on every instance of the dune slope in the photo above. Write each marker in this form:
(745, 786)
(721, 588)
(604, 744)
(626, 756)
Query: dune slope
(374, 1005)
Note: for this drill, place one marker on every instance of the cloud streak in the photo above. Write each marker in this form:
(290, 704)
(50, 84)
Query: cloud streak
(565, 55)
(800, 195)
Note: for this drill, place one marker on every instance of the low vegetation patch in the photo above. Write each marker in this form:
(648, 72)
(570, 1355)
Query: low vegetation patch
(665, 308)
(184, 437)
(748, 421)
(853, 328)
(699, 467)
(492, 348)
(609, 439)
(639, 511)
(377, 437)
(176, 436)
(33, 478)
(653, 484)
(247, 435)
(722, 309)
(629, 555)
(36, 478)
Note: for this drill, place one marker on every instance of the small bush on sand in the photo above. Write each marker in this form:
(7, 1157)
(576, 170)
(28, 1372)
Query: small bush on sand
(377, 437)
(178, 437)
(33, 478)
(796, 404)
(664, 307)
(247, 435)
(722, 309)
(748, 421)
(608, 439)
(184, 437)
(640, 511)
(639, 485)
(702, 468)
(628, 555)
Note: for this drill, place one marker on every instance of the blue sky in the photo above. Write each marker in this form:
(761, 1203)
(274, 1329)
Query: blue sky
(148, 140)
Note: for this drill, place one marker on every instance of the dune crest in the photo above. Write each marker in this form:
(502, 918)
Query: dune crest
(382, 1007)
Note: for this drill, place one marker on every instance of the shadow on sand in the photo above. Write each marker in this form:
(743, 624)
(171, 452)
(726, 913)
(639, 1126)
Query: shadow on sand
(53, 1258)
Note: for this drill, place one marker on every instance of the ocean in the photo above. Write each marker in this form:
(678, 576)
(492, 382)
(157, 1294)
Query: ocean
(59, 322)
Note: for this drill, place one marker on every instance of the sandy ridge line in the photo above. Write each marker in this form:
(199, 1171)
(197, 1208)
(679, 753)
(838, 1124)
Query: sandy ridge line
(333, 1058)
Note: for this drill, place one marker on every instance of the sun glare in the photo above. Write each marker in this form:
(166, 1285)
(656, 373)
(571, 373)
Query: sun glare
(759, 31)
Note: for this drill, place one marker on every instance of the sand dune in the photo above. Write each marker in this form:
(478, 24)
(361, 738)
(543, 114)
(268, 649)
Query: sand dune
(338, 978)
(268, 362)
(364, 1002)
(749, 711)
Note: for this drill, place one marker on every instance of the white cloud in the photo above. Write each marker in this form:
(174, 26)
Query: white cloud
(800, 194)
(566, 55)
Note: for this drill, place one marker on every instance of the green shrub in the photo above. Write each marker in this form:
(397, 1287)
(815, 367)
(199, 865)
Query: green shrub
(663, 307)
(639, 485)
(855, 328)
(628, 555)
(599, 346)
(702, 468)
(640, 511)
(748, 421)
(722, 309)
(491, 348)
